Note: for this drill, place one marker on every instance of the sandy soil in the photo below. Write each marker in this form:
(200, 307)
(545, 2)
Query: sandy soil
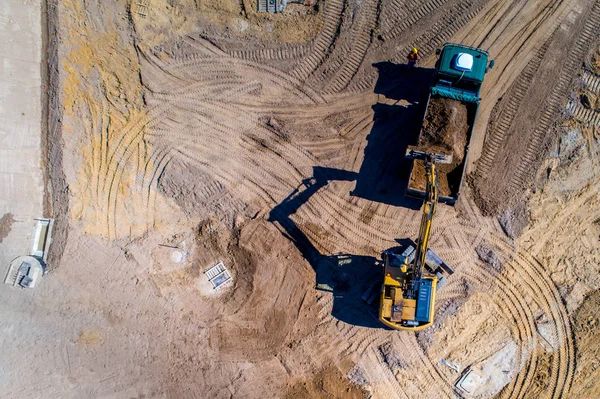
(271, 143)
(328, 383)
(585, 327)
(518, 135)
(445, 129)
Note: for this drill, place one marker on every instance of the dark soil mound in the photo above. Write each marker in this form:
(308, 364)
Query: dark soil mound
(444, 131)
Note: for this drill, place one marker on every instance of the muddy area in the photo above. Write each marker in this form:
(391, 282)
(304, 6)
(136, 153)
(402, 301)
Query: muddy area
(6, 222)
(444, 131)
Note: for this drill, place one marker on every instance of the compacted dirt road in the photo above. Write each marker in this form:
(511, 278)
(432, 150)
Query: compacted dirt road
(184, 133)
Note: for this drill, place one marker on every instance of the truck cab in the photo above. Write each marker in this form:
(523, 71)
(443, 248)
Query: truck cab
(461, 69)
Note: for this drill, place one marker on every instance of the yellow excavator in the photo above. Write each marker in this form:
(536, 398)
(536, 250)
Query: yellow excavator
(411, 278)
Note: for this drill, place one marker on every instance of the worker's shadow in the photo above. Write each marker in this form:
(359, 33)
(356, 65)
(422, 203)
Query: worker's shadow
(397, 119)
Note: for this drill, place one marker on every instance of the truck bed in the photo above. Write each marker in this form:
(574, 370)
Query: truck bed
(446, 129)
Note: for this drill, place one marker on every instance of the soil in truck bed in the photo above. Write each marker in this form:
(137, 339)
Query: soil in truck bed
(444, 131)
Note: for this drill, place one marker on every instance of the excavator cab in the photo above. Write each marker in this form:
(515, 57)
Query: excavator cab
(412, 277)
(408, 303)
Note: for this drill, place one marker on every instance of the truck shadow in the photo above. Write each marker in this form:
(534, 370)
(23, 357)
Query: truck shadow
(384, 173)
(397, 82)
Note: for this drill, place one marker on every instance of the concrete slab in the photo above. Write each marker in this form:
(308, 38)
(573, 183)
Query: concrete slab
(21, 177)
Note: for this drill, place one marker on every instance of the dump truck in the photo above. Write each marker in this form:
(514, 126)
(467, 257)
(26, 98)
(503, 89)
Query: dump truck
(449, 117)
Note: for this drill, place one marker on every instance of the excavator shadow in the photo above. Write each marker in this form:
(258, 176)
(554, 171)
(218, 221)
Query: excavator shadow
(384, 173)
(346, 276)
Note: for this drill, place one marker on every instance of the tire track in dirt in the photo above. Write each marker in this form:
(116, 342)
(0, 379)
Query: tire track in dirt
(214, 62)
(508, 299)
(247, 189)
(332, 19)
(187, 68)
(214, 92)
(451, 19)
(355, 51)
(589, 34)
(523, 274)
(331, 105)
(586, 200)
(500, 125)
(394, 11)
(283, 52)
(225, 135)
(157, 75)
(586, 115)
(581, 113)
(366, 345)
(409, 15)
(381, 377)
(152, 173)
(116, 164)
(433, 377)
(530, 276)
(591, 81)
(533, 277)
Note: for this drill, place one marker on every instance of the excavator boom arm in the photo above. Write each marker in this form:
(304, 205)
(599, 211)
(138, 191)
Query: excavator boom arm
(427, 218)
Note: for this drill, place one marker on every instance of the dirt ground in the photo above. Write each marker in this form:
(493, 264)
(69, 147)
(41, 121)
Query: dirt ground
(328, 383)
(585, 328)
(445, 129)
(183, 133)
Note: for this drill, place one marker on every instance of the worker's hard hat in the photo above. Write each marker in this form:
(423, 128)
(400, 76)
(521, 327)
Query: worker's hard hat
(414, 50)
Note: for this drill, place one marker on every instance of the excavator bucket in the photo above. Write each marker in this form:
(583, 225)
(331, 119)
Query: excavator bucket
(413, 152)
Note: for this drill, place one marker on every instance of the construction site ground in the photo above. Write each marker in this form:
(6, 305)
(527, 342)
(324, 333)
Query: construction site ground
(182, 133)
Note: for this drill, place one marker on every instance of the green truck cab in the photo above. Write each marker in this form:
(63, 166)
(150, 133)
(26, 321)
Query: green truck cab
(461, 69)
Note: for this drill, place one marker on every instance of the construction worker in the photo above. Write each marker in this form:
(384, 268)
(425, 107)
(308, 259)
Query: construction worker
(413, 56)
